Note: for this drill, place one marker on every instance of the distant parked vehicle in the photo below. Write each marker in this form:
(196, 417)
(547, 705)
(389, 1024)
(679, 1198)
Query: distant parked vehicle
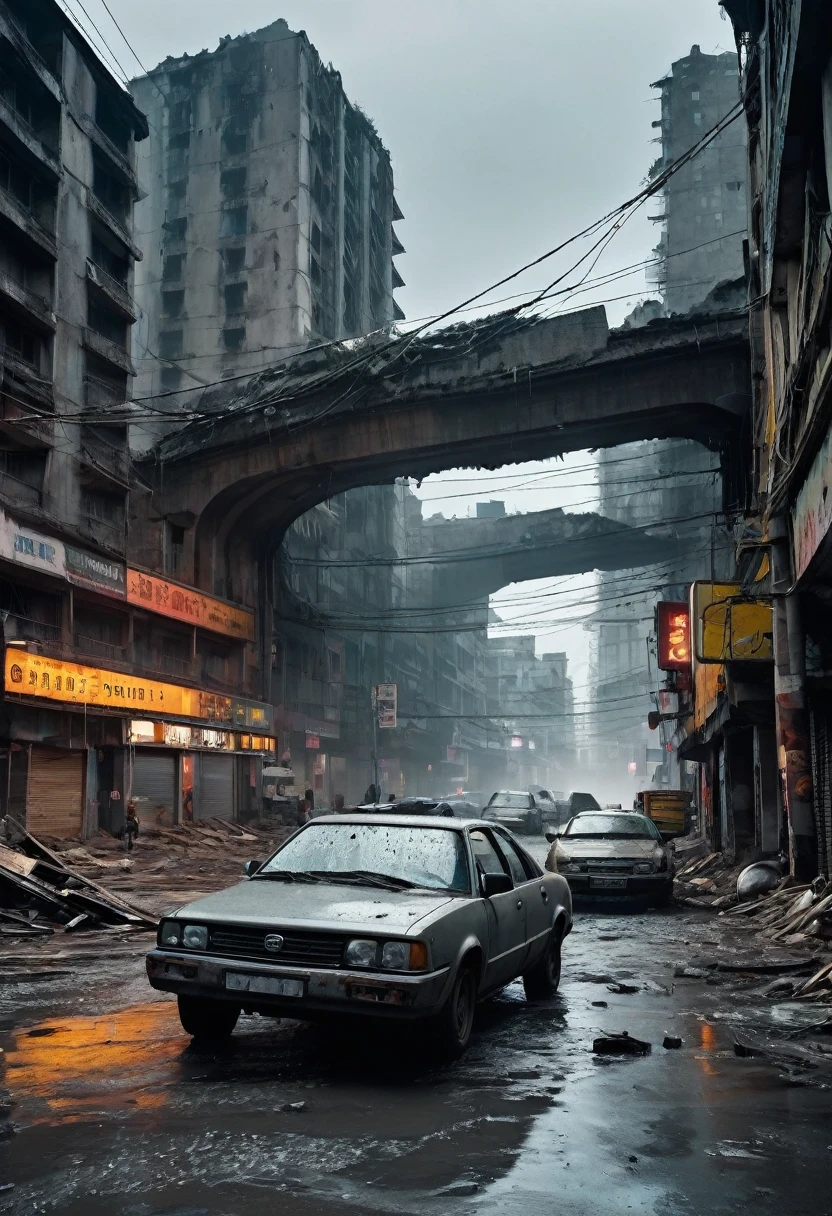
(410, 806)
(517, 810)
(609, 854)
(465, 806)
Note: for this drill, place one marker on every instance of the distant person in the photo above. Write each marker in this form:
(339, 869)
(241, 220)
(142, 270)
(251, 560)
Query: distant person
(309, 796)
(338, 804)
(303, 812)
(131, 826)
(371, 797)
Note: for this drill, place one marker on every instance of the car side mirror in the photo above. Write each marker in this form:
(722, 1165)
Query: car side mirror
(495, 884)
(251, 868)
(552, 836)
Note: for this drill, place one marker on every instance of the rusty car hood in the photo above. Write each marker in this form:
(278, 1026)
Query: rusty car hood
(333, 907)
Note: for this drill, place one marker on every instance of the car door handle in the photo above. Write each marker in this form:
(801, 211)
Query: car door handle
(544, 894)
(519, 904)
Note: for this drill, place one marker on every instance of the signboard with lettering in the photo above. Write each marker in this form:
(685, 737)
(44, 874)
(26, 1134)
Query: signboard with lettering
(254, 714)
(29, 548)
(34, 675)
(386, 698)
(187, 604)
(98, 573)
(673, 633)
(812, 511)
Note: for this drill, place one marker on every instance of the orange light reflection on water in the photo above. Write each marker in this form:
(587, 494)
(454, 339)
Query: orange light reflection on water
(73, 1063)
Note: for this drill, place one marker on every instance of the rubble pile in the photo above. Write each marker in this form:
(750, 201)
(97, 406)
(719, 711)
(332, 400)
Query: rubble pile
(706, 882)
(792, 915)
(39, 892)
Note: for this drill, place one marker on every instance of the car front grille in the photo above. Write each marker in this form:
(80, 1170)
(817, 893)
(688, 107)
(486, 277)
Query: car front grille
(299, 949)
(605, 866)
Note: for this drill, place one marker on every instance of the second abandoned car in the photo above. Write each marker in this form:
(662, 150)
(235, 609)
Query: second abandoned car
(408, 919)
(613, 855)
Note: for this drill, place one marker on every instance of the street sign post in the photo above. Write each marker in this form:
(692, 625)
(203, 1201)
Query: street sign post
(385, 717)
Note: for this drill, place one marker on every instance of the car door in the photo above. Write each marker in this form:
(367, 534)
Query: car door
(532, 890)
(506, 915)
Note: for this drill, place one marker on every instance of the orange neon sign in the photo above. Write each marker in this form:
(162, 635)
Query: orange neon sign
(673, 630)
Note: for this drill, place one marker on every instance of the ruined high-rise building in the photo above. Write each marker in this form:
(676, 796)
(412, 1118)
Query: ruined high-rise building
(268, 218)
(704, 203)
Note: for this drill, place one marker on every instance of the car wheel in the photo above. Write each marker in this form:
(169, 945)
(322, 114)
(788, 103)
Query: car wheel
(665, 896)
(541, 982)
(456, 1020)
(207, 1020)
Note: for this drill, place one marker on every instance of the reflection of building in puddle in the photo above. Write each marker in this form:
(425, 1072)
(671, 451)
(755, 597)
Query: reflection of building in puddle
(77, 1064)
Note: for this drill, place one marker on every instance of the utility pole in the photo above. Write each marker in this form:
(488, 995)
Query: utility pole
(374, 702)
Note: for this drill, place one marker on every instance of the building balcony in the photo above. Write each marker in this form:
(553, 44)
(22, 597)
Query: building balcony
(104, 460)
(33, 146)
(120, 161)
(18, 39)
(116, 292)
(110, 535)
(94, 648)
(111, 352)
(23, 301)
(114, 223)
(26, 224)
(19, 493)
(26, 429)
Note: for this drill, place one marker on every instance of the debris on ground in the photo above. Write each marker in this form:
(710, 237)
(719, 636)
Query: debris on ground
(620, 1045)
(68, 886)
(621, 989)
(672, 1042)
(39, 892)
(706, 882)
(794, 914)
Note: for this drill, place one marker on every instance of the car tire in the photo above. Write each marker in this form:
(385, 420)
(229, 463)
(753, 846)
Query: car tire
(206, 1020)
(541, 982)
(665, 896)
(455, 1022)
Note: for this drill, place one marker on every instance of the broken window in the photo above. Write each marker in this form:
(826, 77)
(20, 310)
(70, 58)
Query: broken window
(111, 325)
(110, 190)
(234, 259)
(233, 182)
(234, 142)
(233, 222)
(177, 228)
(172, 268)
(172, 303)
(233, 339)
(170, 343)
(116, 266)
(16, 181)
(235, 297)
(23, 343)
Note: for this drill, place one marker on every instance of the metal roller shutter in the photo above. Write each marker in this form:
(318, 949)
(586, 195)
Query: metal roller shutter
(55, 799)
(216, 787)
(154, 787)
(820, 734)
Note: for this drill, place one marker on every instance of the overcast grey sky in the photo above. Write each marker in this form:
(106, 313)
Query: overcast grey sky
(511, 126)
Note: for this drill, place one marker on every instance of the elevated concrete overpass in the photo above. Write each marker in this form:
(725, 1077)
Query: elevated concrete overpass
(486, 394)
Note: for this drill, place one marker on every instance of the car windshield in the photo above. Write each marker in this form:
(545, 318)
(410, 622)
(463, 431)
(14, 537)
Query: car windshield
(613, 825)
(423, 857)
(517, 802)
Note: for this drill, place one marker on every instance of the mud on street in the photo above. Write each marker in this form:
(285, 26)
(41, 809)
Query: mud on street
(129, 1117)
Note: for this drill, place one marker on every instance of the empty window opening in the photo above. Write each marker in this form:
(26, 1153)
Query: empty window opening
(234, 259)
(233, 182)
(235, 297)
(170, 343)
(173, 303)
(233, 339)
(233, 222)
(172, 268)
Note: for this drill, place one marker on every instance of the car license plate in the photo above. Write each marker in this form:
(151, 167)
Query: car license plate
(608, 883)
(269, 985)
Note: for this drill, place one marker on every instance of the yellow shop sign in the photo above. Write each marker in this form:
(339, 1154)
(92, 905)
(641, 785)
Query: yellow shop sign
(33, 675)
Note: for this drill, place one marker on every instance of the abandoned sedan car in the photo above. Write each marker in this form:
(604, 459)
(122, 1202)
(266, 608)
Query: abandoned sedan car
(409, 919)
(604, 854)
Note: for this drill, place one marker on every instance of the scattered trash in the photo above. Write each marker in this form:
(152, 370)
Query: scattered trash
(671, 1042)
(620, 1045)
(691, 973)
(621, 989)
(706, 882)
(293, 1107)
(600, 1004)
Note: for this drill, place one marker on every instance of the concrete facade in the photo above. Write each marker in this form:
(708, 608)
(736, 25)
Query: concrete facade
(704, 206)
(268, 216)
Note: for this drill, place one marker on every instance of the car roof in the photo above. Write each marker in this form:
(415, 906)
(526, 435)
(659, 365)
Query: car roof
(522, 793)
(415, 821)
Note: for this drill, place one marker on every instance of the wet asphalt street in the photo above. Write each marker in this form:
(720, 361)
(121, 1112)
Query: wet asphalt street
(116, 1113)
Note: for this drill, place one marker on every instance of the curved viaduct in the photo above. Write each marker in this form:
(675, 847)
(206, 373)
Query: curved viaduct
(487, 393)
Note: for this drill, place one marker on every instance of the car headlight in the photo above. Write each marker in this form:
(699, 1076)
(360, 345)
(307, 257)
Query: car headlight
(643, 867)
(170, 933)
(396, 956)
(195, 937)
(361, 953)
